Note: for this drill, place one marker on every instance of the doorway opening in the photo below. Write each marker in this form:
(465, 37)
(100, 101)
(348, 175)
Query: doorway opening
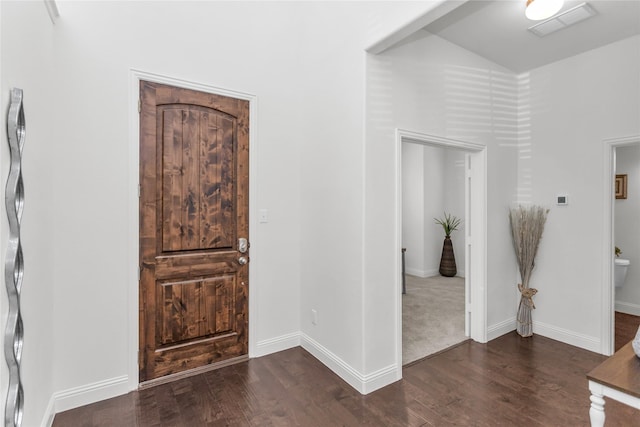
(473, 205)
(433, 302)
(621, 302)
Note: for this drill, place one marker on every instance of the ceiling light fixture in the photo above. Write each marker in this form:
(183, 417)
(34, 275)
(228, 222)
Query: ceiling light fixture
(542, 9)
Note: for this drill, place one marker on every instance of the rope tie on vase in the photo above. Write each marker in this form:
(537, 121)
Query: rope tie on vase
(527, 295)
(14, 266)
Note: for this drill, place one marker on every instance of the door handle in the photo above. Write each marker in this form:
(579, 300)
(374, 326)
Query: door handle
(243, 260)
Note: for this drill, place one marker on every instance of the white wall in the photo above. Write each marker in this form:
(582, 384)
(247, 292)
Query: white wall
(332, 113)
(422, 169)
(572, 106)
(432, 183)
(544, 130)
(93, 63)
(431, 86)
(413, 196)
(385, 18)
(434, 206)
(329, 241)
(454, 202)
(627, 216)
(25, 53)
(310, 171)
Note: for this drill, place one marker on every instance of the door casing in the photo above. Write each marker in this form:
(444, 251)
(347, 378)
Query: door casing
(607, 308)
(135, 76)
(475, 245)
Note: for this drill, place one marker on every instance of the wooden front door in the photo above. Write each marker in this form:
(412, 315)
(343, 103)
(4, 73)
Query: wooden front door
(194, 200)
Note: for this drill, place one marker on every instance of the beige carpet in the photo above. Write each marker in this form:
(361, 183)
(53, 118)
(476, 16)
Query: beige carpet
(432, 316)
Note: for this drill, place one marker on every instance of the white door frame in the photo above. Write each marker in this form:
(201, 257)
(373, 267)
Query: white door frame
(475, 232)
(608, 301)
(133, 210)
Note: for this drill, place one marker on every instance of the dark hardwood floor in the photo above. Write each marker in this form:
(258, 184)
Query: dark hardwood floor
(626, 328)
(511, 381)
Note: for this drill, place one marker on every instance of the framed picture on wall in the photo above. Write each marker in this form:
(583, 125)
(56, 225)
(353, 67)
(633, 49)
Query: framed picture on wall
(621, 186)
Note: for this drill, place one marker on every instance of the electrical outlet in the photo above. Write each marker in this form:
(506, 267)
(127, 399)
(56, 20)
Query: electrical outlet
(314, 316)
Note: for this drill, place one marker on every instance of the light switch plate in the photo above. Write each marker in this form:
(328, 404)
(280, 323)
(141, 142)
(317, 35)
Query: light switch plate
(263, 216)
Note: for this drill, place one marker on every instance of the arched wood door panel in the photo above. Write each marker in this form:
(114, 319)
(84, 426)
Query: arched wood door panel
(194, 181)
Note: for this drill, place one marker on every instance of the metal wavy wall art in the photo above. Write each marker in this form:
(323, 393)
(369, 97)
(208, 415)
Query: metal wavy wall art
(14, 266)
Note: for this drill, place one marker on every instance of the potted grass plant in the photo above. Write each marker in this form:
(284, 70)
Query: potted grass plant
(450, 224)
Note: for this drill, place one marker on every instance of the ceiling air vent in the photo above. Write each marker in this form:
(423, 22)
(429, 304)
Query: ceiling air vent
(563, 20)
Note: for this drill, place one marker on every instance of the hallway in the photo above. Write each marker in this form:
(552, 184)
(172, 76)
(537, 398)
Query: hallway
(432, 316)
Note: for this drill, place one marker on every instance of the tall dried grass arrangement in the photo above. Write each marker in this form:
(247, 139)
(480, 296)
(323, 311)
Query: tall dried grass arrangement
(527, 225)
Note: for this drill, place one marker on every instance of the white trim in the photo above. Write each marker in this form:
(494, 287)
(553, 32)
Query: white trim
(566, 336)
(134, 228)
(398, 251)
(501, 328)
(363, 225)
(134, 130)
(607, 333)
(628, 308)
(52, 10)
(49, 413)
(361, 382)
(476, 217)
(424, 138)
(380, 378)
(428, 273)
(467, 244)
(478, 242)
(421, 273)
(253, 221)
(90, 393)
(276, 344)
(408, 28)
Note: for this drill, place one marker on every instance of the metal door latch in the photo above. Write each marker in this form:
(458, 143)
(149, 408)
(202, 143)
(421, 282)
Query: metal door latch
(243, 245)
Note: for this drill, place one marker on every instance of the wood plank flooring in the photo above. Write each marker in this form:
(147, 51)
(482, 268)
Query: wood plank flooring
(626, 328)
(511, 381)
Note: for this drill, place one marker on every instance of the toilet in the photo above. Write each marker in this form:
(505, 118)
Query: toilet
(620, 274)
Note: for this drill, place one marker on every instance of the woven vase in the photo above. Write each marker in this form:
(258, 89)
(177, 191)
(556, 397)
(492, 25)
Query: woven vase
(524, 325)
(448, 260)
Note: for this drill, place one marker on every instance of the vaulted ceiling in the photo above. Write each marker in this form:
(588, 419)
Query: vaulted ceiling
(497, 30)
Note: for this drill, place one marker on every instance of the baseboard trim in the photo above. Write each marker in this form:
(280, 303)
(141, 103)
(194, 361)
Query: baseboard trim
(333, 362)
(559, 334)
(628, 308)
(421, 273)
(49, 413)
(274, 345)
(566, 336)
(84, 395)
(428, 273)
(380, 378)
(90, 393)
(362, 383)
(501, 328)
